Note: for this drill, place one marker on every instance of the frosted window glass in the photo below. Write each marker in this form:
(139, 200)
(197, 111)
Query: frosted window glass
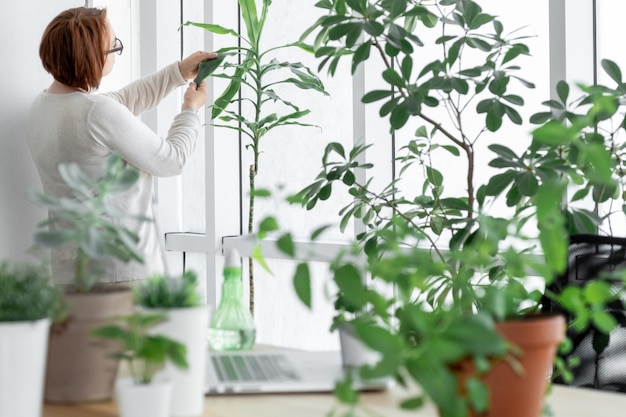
(610, 45)
(522, 19)
(291, 156)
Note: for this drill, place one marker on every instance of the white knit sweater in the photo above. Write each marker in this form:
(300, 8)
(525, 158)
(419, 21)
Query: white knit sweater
(85, 128)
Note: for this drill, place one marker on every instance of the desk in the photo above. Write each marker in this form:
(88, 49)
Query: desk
(564, 401)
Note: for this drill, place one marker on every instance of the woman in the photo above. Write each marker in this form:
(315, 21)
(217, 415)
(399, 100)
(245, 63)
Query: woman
(70, 122)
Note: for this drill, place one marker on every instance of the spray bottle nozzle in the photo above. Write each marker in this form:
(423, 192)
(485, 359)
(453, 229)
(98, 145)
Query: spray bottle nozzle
(232, 258)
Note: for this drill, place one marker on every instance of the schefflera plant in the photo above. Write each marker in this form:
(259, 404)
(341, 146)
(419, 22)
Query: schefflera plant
(451, 257)
(252, 103)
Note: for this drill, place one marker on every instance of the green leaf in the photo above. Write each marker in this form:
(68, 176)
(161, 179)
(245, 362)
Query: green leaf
(249, 14)
(376, 95)
(325, 192)
(540, 118)
(434, 176)
(350, 285)
(514, 52)
(378, 338)
(478, 394)
(399, 117)
(268, 224)
(217, 29)
(112, 332)
(412, 403)
(207, 68)
(302, 283)
(504, 152)
(493, 121)
(527, 183)
(553, 133)
(361, 54)
(613, 70)
(285, 244)
(257, 255)
(220, 104)
(604, 321)
(393, 78)
(552, 233)
(345, 393)
(598, 292)
(562, 90)
(349, 178)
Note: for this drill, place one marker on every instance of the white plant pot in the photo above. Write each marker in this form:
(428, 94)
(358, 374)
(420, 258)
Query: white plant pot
(23, 347)
(354, 353)
(188, 326)
(144, 400)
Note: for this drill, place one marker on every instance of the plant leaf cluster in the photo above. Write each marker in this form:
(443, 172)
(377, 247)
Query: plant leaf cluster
(160, 291)
(458, 262)
(27, 293)
(146, 353)
(88, 220)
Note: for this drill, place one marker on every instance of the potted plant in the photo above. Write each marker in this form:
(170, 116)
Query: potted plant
(28, 303)
(459, 263)
(259, 83)
(87, 225)
(141, 393)
(187, 320)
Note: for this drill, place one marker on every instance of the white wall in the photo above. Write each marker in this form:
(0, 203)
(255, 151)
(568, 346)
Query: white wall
(21, 78)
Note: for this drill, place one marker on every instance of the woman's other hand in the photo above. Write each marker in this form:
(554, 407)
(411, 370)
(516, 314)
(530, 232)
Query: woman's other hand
(189, 66)
(195, 98)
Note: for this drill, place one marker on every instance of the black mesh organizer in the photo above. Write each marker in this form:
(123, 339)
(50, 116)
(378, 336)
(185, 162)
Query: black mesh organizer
(602, 357)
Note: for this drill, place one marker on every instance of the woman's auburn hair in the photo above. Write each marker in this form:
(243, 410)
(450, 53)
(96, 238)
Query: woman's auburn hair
(73, 47)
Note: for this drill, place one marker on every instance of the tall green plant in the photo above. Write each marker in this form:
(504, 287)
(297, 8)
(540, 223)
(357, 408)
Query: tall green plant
(252, 103)
(471, 78)
(458, 261)
(88, 221)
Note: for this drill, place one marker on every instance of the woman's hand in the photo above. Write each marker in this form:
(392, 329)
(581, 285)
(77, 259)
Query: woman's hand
(195, 98)
(189, 66)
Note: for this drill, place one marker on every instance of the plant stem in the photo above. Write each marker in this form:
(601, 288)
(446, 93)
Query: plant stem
(252, 174)
(254, 168)
(82, 271)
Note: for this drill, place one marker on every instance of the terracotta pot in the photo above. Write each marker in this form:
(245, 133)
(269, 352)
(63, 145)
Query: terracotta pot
(513, 394)
(78, 367)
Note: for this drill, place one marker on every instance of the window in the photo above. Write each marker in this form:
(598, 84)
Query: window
(208, 203)
(291, 157)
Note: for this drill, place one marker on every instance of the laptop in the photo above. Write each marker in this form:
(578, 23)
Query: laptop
(277, 371)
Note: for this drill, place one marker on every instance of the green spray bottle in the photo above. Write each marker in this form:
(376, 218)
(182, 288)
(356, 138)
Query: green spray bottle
(232, 326)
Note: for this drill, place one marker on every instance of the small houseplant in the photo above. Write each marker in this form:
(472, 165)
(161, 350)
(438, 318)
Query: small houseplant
(260, 84)
(29, 301)
(458, 263)
(87, 224)
(187, 320)
(141, 394)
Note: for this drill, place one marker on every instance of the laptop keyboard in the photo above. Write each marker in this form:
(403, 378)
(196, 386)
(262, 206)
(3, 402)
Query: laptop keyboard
(257, 367)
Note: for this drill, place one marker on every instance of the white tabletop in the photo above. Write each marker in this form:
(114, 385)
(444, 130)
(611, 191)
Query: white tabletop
(564, 402)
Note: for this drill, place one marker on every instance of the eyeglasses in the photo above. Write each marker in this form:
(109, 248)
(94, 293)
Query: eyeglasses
(118, 47)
